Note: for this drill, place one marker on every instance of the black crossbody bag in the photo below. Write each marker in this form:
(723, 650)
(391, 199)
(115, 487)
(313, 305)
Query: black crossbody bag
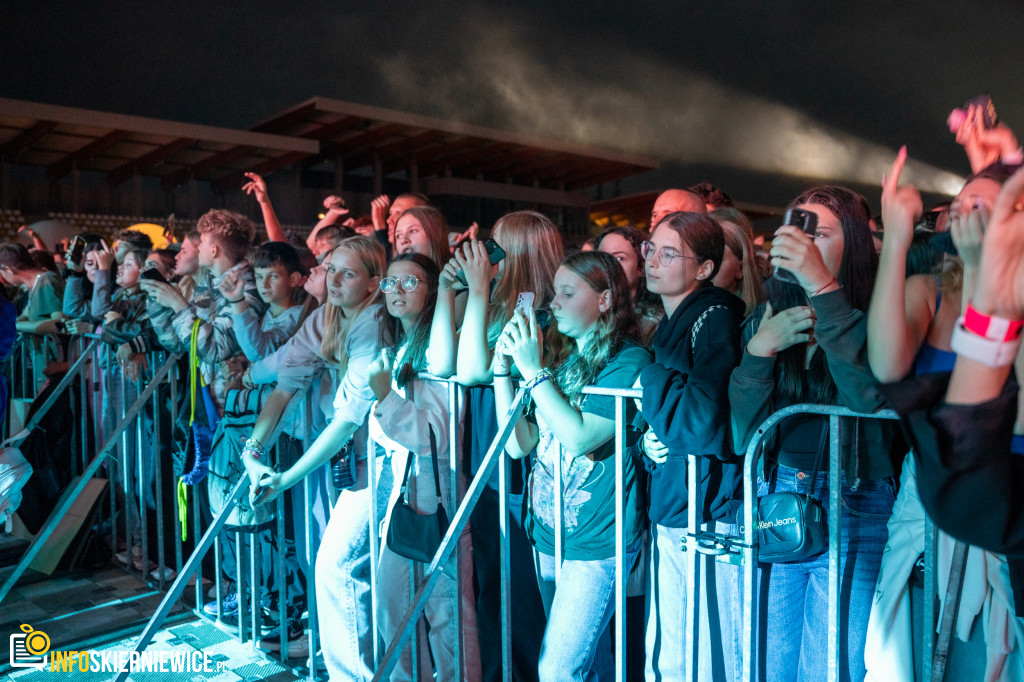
(412, 535)
(791, 526)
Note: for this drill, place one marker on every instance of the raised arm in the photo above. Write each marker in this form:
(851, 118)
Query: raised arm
(335, 211)
(444, 338)
(258, 187)
(37, 241)
(900, 313)
(473, 359)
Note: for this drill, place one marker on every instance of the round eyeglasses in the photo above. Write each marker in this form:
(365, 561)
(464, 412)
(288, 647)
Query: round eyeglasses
(664, 255)
(407, 283)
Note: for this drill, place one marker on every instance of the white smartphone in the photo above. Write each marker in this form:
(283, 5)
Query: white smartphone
(525, 302)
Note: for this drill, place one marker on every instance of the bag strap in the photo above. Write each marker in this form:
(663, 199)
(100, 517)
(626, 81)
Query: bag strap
(817, 460)
(433, 459)
(193, 369)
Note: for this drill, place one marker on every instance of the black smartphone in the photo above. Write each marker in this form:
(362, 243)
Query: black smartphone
(806, 221)
(494, 253)
(77, 250)
(153, 274)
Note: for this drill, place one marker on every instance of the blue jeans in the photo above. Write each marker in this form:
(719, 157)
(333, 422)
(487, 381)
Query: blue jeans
(795, 634)
(579, 608)
(342, 577)
(717, 631)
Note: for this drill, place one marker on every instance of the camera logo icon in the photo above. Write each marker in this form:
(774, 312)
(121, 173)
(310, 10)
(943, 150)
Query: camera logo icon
(29, 648)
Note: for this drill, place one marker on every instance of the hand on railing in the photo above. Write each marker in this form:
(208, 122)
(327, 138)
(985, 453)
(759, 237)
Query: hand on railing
(78, 326)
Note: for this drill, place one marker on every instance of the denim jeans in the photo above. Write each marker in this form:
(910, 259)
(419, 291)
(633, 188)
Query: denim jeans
(795, 626)
(579, 607)
(717, 632)
(527, 616)
(395, 589)
(343, 578)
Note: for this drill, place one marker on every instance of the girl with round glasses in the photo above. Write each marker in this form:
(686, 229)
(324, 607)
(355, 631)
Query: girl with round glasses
(591, 342)
(409, 421)
(685, 402)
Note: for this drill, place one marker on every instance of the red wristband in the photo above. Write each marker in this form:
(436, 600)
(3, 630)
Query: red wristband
(990, 326)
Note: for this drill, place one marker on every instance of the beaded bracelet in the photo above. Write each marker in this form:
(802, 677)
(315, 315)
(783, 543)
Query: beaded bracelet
(538, 379)
(254, 449)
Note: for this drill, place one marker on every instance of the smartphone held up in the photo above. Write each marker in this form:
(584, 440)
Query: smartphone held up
(806, 221)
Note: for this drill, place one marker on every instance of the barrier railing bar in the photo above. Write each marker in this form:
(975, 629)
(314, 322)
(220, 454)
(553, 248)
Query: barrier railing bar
(178, 586)
(371, 481)
(750, 592)
(928, 633)
(453, 503)
(65, 381)
(621, 572)
(504, 555)
(72, 496)
(461, 517)
(835, 529)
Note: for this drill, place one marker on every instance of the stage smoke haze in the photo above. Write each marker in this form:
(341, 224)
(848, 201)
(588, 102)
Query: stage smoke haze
(499, 78)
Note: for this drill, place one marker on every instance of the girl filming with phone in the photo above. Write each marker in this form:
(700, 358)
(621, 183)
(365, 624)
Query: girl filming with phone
(808, 345)
(532, 248)
(592, 342)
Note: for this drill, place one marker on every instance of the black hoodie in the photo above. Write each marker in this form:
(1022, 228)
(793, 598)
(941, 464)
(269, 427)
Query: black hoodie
(686, 402)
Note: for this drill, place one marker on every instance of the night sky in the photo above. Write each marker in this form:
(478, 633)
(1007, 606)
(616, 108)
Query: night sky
(755, 97)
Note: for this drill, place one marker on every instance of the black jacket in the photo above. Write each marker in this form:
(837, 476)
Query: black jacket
(868, 448)
(686, 402)
(970, 482)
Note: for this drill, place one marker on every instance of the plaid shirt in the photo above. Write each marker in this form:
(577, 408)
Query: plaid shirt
(216, 342)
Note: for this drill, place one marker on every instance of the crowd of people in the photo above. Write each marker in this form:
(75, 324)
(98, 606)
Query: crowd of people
(869, 314)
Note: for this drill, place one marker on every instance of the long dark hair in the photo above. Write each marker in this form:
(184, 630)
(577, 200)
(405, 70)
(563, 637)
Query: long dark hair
(856, 276)
(573, 369)
(415, 357)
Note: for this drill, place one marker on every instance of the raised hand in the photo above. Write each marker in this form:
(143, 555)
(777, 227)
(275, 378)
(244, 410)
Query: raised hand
(985, 146)
(476, 265)
(379, 375)
(232, 286)
(523, 340)
(379, 213)
(968, 231)
(449, 278)
(1001, 275)
(901, 207)
(256, 185)
(794, 250)
(778, 332)
(104, 257)
(163, 294)
(335, 205)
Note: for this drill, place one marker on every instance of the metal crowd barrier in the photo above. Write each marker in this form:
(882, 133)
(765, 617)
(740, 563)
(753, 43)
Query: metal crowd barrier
(740, 549)
(130, 420)
(750, 591)
(495, 458)
(28, 360)
(248, 584)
